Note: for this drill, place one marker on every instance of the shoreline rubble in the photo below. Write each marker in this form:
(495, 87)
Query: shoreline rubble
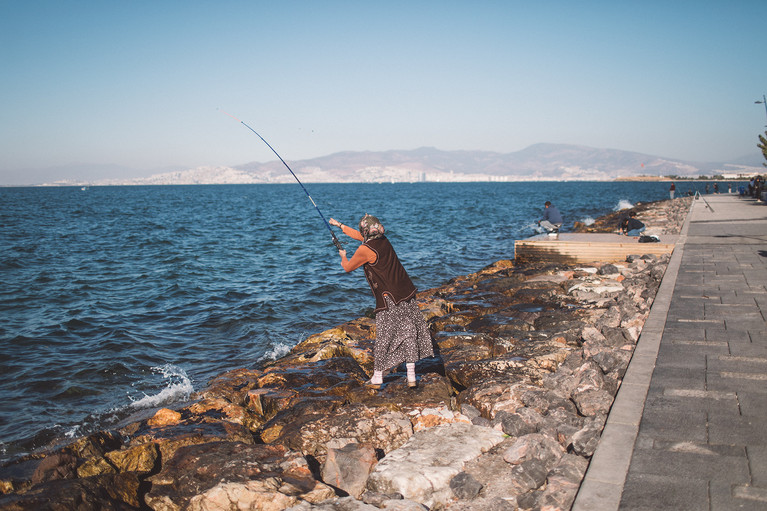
(505, 416)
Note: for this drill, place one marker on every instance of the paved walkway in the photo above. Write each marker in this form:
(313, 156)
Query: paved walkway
(688, 429)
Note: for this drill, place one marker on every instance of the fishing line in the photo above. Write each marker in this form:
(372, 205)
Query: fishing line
(332, 234)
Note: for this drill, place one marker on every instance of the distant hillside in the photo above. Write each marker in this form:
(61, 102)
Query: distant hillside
(539, 162)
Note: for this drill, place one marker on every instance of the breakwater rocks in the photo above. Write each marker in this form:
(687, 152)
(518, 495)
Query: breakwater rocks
(506, 416)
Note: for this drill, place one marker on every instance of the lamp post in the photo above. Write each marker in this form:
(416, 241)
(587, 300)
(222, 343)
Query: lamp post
(764, 102)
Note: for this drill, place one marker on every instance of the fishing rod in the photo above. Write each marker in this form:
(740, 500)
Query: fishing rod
(337, 243)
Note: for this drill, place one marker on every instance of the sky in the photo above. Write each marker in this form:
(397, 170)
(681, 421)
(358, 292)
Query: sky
(142, 85)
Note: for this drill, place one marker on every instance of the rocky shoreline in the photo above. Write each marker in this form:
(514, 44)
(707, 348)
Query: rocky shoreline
(506, 416)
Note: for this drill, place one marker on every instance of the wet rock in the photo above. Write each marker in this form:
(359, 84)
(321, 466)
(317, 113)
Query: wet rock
(56, 466)
(142, 458)
(231, 386)
(116, 492)
(213, 409)
(164, 417)
(95, 466)
(94, 445)
(170, 439)
(233, 475)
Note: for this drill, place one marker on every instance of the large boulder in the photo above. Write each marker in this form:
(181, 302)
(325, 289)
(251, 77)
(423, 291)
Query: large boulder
(422, 468)
(234, 475)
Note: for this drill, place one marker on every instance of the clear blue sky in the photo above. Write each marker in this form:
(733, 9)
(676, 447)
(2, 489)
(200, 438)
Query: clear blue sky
(138, 83)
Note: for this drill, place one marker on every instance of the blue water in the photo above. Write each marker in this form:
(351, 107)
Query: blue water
(118, 299)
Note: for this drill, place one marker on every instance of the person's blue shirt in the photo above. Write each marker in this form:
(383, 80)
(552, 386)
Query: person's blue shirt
(552, 215)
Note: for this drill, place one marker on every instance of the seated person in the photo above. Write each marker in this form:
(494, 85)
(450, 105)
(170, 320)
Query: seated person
(552, 218)
(630, 226)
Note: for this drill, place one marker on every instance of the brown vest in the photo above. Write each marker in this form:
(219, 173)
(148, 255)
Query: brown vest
(387, 275)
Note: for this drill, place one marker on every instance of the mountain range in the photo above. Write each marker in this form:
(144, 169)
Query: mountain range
(539, 162)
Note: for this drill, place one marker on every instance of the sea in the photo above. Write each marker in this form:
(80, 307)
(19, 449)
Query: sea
(116, 300)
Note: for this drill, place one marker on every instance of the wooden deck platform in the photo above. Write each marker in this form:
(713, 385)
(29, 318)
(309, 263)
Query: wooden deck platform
(569, 247)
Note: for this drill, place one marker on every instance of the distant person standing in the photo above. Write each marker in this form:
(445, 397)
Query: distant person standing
(672, 190)
(552, 218)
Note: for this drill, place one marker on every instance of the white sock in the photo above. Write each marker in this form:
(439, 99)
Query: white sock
(410, 371)
(377, 378)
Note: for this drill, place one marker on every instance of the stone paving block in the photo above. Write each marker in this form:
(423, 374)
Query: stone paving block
(726, 311)
(689, 279)
(725, 282)
(695, 400)
(727, 381)
(669, 423)
(756, 279)
(757, 460)
(694, 465)
(706, 450)
(754, 365)
(735, 298)
(753, 404)
(748, 349)
(694, 349)
(676, 357)
(645, 492)
(679, 377)
(737, 430)
(684, 331)
(721, 334)
(744, 324)
(681, 311)
(726, 497)
(691, 291)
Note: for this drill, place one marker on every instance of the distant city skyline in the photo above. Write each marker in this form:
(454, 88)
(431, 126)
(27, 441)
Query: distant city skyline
(136, 87)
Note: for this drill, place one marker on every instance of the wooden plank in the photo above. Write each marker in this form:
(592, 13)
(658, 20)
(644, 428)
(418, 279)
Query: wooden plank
(570, 251)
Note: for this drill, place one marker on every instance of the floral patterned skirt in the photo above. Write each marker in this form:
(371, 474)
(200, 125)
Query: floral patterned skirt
(401, 335)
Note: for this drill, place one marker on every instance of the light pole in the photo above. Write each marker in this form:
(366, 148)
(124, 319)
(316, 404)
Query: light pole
(764, 102)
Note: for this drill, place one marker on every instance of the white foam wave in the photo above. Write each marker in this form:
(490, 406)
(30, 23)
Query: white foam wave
(74, 432)
(623, 204)
(178, 388)
(588, 221)
(277, 351)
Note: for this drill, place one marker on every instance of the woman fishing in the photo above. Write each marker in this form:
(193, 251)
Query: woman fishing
(401, 332)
